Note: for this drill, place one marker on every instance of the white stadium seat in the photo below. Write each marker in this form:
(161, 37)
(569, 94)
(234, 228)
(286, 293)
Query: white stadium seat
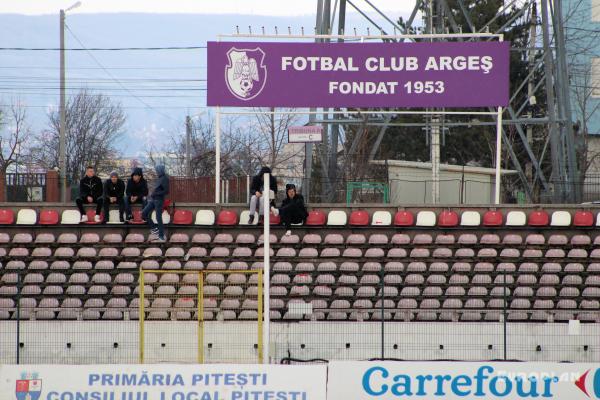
(381, 218)
(516, 218)
(27, 216)
(205, 217)
(560, 218)
(337, 218)
(470, 218)
(69, 217)
(426, 218)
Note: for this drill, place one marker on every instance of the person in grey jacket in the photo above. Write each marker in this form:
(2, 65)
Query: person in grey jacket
(155, 203)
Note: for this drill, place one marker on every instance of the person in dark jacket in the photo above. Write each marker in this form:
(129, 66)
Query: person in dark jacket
(292, 210)
(136, 191)
(114, 193)
(155, 203)
(90, 192)
(256, 190)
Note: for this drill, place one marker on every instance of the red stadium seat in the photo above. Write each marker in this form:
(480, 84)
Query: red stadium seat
(274, 219)
(539, 218)
(359, 218)
(448, 218)
(137, 218)
(583, 218)
(7, 217)
(316, 218)
(91, 214)
(48, 217)
(183, 217)
(404, 218)
(227, 218)
(493, 218)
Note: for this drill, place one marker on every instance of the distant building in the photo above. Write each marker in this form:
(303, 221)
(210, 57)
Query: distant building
(582, 37)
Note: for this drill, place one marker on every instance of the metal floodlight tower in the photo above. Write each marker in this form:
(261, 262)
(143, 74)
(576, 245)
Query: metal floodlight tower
(554, 171)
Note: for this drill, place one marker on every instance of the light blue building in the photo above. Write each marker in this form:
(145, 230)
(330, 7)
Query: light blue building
(582, 36)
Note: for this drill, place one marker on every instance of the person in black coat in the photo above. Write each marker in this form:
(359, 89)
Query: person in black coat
(114, 193)
(256, 190)
(136, 191)
(292, 210)
(90, 192)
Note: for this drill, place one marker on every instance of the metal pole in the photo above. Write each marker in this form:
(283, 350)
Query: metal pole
(267, 270)
(498, 155)
(188, 145)
(247, 188)
(18, 317)
(435, 160)
(218, 155)
(62, 152)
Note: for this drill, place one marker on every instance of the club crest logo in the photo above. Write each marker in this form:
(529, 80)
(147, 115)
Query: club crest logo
(245, 75)
(29, 387)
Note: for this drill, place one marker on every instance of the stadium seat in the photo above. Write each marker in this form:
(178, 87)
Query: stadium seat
(381, 218)
(316, 218)
(7, 216)
(337, 218)
(166, 217)
(70, 217)
(404, 218)
(426, 218)
(26, 216)
(447, 218)
(560, 218)
(113, 217)
(245, 216)
(137, 218)
(227, 218)
(182, 217)
(492, 218)
(583, 219)
(537, 218)
(359, 218)
(516, 218)
(49, 217)
(205, 217)
(276, 219)
(91, 214)
(470, 218)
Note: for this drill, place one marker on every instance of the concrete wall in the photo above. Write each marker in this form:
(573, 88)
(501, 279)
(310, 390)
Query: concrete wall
(176, 341)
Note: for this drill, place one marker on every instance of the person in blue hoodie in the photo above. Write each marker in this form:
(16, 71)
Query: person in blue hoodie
(155, 203)
(136, 191)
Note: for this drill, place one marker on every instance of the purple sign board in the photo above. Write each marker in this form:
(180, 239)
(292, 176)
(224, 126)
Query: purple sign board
(438, 74)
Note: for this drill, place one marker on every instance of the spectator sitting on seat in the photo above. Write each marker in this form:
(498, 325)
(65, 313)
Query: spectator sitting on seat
(90, 192)
(114, 192)
(256, 190)
(136, 191)
(155, 203)
(292, 210)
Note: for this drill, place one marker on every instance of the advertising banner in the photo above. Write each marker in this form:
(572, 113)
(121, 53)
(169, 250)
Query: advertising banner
(462, 380)
(162, 382)
(433, 74)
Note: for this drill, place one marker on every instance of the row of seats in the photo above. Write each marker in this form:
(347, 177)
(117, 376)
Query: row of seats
(445, 219)
(332, 239)
(132, 253)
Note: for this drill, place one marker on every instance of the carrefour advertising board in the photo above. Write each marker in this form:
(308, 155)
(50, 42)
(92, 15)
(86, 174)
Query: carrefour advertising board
(162, 382)
(462, 380)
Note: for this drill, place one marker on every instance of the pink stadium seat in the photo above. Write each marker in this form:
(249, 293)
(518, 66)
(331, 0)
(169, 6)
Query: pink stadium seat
(183, 217)
(448, 218)
(359, 218)
(49, 217)
(539, 218)
(316, 218)
(492, 218)
(583, 219)
(227, 218)
(7, 217)
(404, 218)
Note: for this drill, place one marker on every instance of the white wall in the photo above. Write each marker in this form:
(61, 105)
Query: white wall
(93, 341)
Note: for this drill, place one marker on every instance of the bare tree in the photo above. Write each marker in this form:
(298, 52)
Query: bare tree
(94, 123)
(12, 143)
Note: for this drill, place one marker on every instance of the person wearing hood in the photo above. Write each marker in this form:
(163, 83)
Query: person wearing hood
(90, 192)
(155, 203)
(114, 193)
(136, 191)
(256, 190)
(292, 210)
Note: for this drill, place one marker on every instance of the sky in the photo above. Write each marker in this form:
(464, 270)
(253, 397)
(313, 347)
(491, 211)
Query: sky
(157, 88)
(249, 7)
